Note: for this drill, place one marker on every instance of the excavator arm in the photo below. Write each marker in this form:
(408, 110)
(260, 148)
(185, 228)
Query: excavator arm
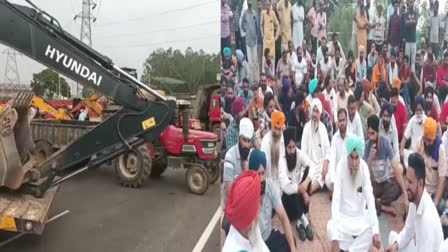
(38, 35)
(46, 107)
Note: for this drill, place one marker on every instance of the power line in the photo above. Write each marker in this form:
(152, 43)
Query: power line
(159, 13)
(159, 30)
(166, 42)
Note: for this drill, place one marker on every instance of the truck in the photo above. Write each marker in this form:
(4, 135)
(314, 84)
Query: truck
(28, 183)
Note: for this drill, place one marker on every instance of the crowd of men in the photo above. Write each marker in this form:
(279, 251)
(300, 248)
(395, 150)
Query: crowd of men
(299, 119)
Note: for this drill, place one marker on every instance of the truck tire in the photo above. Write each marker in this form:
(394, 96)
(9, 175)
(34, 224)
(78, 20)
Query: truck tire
(133, 168)
(197, 179)
(42, 150)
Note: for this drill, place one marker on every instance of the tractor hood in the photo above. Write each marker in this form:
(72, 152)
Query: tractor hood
(202, 135)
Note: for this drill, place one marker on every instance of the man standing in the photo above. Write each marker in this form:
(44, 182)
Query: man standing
(272, 144)
(249, 26)
(393, 34)
(284, 8)
(269, 25)
(238, 109)
(378, 28)
(353, 225)
(422, 230)
(226, 19)
(242, 210)
(432, 150)
(298, 16)
(316, 145)
(362, 23)
(380, 157)
(321, 19)
(410, 34)
(337, 152)
(271, 203)
(296, 184)
(237, 6)
(435, 22)
(312, 13)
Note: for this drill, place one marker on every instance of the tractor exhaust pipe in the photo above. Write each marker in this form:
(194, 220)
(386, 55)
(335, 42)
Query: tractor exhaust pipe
(185, 122)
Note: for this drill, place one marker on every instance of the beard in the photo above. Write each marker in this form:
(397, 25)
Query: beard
(291, 161)
(244, 152)
(254, 236)
(299, 58)
(419, 119)
(429, 149)
(315, 125)
(275, 155)
(386, 125)
(246, 93)
(263, 187)
(355, 174)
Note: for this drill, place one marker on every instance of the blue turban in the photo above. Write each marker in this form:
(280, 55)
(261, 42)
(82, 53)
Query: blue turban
(354, 143)
(312, 86)
(387, 107)
(286, 85)
(420, 100)
(256, 159)
(227, 51)
(239, 55)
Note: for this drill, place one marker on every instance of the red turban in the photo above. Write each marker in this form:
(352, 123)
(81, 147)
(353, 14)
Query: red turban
(366, 85)
(243, 200)
(238, 105)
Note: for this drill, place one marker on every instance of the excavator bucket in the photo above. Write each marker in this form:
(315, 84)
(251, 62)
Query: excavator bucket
(16, 144)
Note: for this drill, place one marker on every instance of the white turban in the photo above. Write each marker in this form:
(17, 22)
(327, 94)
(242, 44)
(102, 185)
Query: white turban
(316, 102)
(246, 128)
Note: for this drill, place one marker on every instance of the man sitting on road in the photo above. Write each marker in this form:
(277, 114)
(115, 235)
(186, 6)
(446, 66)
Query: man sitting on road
(238, 109)
(272, 145)
(354, 125)
(414, 130)
(432, 150)
(234, 159)
(242, 209)
(353, 225)
(296, 184)
(380, 157)
(271, 202)
(422, 230)
(388, 128)
(316, 146)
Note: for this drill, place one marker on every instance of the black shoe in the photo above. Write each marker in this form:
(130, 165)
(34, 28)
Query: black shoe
(309, 232)
(302, 232)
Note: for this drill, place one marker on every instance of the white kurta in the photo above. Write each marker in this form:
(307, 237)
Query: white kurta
(299, 69)
(236, 242)
(349, 215)
(317, 147)
(298, 15)
(266, 143)
(337, 152)
(422, 230)
(290, 180)
(355, 127)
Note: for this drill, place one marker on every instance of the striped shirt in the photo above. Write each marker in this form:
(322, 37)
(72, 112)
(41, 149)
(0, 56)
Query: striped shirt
(226, 18)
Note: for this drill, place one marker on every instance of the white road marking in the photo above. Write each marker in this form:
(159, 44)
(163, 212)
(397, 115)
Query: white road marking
(208, 231)
(15, 237)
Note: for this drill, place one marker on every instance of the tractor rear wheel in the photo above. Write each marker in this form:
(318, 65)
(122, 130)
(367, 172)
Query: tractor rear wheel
(197, 179)
(133, 168)
(43, 150)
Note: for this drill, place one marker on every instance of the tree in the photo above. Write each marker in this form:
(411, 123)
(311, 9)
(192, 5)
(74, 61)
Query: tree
(47, 82)
(194, 67)
(87, 92)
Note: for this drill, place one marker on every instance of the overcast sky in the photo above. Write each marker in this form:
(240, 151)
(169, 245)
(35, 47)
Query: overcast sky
(128, 30)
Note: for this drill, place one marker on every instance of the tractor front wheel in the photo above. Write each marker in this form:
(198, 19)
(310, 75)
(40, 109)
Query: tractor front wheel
(133, 168)
(197, 179)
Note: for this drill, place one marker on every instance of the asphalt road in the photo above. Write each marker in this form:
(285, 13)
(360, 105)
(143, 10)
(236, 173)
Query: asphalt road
(161, 216)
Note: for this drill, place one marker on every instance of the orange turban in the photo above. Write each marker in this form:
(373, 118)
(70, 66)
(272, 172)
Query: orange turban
(430, 128)
(396, 83)
(277, 119)
(366, 85)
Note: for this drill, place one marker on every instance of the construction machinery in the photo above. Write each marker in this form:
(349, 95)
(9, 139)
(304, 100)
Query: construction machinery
(49, 110)
(122, 135)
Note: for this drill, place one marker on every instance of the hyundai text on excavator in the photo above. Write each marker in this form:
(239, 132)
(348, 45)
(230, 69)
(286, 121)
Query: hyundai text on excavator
(28, 187)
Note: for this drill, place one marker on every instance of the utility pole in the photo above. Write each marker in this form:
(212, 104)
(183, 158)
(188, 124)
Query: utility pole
(87, 19)
(11, 69)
